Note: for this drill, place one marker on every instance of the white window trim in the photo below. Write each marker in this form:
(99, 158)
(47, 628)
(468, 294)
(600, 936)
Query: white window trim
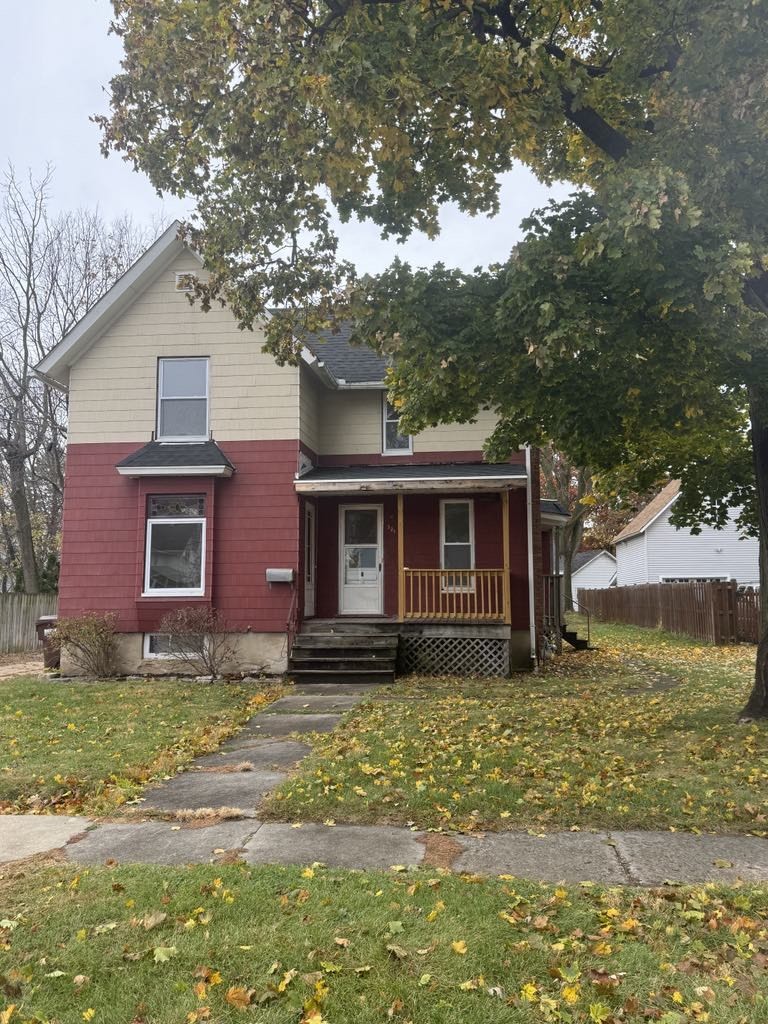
(151, 655)
(471, 504)
(160, 399)
(384, 421)
(173, 591)
(692, 578)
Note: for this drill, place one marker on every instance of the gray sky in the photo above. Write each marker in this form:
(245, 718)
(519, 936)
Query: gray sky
(56, 58)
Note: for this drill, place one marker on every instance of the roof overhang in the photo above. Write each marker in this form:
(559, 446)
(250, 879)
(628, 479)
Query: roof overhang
(378, 480)
(55, 367)
(175, 470)
(554, 518)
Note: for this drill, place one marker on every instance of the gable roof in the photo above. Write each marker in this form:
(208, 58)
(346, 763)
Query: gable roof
(56, 365)
(583, 558)
(652, 511)
(346, 363)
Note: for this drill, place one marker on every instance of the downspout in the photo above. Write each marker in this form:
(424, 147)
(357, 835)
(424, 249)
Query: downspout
(531, 582)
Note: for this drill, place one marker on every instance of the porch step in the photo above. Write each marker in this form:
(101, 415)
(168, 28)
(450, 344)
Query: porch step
(351, 627)
(358, 656)
(578, 643)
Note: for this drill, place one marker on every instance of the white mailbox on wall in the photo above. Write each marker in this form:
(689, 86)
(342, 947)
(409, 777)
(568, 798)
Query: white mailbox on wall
(280, 575)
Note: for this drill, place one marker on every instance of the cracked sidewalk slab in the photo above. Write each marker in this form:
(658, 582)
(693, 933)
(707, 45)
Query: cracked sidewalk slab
(25, 835)
(653, 858)
(266, 753)
(160, 842)
(374, 847)
(192, 791)
(280, 725)
(557, 857)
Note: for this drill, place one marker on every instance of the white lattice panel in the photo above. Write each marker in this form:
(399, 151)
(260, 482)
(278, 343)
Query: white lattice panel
(452, 655)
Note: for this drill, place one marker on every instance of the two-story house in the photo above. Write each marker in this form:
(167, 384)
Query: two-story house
(287, 497)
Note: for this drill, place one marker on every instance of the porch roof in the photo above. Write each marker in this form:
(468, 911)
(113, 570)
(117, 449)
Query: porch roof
(452, 477)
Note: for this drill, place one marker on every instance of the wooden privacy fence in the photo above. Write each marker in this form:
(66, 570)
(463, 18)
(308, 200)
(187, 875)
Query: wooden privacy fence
(18, 615)
(715, 612)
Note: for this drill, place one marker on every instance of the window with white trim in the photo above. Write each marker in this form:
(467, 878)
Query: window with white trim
(182, 399)
(457, 543)
(174, 564)
(162, 645)
(393, 442)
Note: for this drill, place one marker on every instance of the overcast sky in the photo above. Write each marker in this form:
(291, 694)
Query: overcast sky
(56, 59)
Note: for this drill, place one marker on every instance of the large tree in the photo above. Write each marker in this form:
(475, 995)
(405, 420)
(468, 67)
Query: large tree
(53, 267)
(630, 328)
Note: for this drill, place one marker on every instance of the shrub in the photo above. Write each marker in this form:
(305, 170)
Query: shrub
(199, 639)
(90, 640)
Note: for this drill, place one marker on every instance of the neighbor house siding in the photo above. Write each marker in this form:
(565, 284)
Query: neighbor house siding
(674, 552)
(598, 573)
(352, 425)
(631, 565)
(113, 386)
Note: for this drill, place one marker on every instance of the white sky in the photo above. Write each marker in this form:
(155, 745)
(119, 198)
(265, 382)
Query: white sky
(56, 58)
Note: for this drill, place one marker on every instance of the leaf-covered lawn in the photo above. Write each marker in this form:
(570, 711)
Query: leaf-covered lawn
(277, 945)
(639, 734)
(91, 746)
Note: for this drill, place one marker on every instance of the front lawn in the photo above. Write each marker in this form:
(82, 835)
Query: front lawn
(277, 945)
(92, 746)
(639, 734)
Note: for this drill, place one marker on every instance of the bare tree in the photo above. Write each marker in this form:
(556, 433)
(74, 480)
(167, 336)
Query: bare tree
(52, 270)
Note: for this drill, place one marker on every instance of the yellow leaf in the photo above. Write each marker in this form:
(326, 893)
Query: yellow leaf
(459, 947)
(7, 1013)
(571, 994)
(238, 996)
(89, 1014)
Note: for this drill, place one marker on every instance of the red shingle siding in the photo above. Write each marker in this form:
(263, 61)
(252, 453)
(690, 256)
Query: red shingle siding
(253, 525)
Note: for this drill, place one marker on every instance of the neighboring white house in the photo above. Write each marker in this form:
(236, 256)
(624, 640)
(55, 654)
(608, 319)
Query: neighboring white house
(592, 570)
(650, 550)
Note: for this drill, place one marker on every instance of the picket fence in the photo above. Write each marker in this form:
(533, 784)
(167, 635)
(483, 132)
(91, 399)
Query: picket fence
(714, 612)
(18, 615)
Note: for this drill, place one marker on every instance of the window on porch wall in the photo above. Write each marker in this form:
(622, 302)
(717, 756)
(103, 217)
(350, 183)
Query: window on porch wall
(457, 543)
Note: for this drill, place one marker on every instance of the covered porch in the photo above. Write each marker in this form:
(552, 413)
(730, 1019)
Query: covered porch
(439, 553)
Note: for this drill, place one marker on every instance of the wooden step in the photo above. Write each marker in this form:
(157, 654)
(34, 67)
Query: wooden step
(346, 641)
(321, 675)
(351, 626)
(300, 661)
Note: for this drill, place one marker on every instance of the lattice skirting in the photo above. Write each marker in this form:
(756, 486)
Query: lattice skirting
(453, 655)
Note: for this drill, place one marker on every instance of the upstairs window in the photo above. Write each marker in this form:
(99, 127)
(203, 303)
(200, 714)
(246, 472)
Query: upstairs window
(175, 555)
(393, 442)
(182, 399)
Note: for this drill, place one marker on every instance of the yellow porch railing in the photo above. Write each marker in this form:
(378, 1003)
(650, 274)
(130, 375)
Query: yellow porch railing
(478, 595)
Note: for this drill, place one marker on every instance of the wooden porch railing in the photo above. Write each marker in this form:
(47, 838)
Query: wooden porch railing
(454, 594)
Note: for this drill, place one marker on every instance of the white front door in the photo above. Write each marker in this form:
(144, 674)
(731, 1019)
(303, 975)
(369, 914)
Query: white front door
(360, 563)
(310, 559)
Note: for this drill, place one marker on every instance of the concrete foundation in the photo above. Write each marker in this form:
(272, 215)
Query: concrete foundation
(256, 654)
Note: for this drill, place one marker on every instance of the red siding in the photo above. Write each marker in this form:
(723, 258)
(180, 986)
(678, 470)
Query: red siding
(253, 524)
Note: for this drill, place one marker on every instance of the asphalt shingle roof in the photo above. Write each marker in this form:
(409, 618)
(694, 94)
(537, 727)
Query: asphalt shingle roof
(582, 558)
(646, 515)
(353, 364)
(553, 508)
(454, 471)
(157, 455)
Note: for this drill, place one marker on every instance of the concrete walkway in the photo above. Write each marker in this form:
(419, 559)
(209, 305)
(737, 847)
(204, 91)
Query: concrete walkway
(236, 778)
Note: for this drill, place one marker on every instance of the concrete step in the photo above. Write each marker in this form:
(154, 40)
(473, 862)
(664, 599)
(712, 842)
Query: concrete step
(321, 675)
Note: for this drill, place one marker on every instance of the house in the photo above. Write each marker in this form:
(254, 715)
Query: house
(199, 472)
(650, 550)
(592, 570)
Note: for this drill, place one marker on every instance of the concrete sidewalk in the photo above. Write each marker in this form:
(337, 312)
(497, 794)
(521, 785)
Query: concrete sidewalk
(624, 858)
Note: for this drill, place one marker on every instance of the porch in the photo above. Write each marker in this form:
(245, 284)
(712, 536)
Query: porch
(436, 555)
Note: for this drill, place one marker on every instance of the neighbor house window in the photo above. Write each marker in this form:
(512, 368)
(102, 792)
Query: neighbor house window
(457, 543)
(175, 552)
(182, 399)
(393, 442)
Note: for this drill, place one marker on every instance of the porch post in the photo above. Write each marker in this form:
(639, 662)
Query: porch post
(400, 561)
(505, 536)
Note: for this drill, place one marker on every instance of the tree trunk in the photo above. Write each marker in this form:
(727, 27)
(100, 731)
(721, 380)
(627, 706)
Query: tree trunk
(23, 523)
(572, 537)
(757, 705)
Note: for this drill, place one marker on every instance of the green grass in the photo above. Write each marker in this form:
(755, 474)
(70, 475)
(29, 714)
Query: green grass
(354, 948)
(91, 746)
(639, 734)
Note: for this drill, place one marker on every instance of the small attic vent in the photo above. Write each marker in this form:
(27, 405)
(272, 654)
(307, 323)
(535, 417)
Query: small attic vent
(185, 282)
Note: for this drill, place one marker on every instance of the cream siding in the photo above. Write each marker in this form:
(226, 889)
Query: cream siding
(113, 385)
(351, 424)
(310, 410)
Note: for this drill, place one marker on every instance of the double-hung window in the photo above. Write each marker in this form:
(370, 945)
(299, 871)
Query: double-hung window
(393, 442)
(174, 563)
(182, 399)
(457, 544)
